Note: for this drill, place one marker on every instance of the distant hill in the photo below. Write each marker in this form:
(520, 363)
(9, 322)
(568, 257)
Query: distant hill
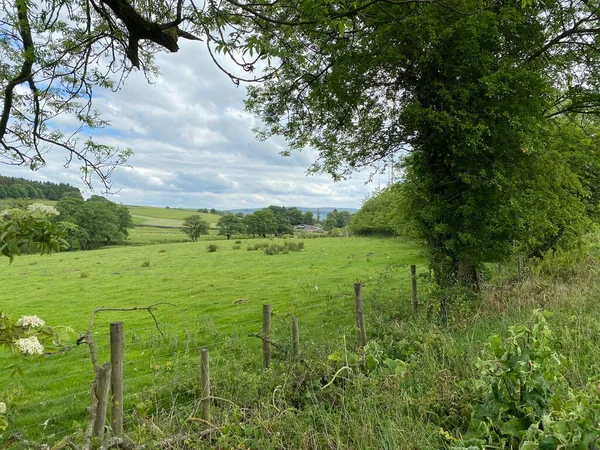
(323, 211)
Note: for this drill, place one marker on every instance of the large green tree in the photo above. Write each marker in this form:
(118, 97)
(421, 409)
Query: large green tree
(261, 223)
(230, 224)
(378, 214)
(468, 94)
(194, 227)
(98, 220)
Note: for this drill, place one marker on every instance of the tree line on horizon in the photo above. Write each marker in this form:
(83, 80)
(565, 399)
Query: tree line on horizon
(270, 221)
(15, 188)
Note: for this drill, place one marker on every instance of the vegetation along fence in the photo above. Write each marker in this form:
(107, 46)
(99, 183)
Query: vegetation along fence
(172, 366)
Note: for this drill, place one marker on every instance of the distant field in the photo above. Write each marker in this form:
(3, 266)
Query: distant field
(201, 290)
(154, 235)
(150, 215)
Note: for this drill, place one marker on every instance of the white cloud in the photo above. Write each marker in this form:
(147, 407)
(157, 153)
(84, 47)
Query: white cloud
(194, 146)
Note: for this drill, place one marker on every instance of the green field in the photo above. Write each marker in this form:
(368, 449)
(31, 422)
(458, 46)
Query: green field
(330, 399)
(150, 215)
(197, 291)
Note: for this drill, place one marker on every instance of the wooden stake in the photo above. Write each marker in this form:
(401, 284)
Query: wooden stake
(266, 346)
(360, 317)
(205, 384)
(520, 261)
(413, 279)
(295, 337)
(102, 395)
(116, 378)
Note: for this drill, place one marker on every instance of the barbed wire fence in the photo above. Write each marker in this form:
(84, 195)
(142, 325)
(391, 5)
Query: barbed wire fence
(162, 367)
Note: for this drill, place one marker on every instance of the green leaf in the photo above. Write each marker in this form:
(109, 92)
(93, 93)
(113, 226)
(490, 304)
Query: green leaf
(515, 427)
(336, 356)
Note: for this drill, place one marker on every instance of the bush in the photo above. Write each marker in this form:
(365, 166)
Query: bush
(526, 402)
(286, 247)
(146, 263)
(257, 246)
(238, 242)
(237, 247)
(211, 248)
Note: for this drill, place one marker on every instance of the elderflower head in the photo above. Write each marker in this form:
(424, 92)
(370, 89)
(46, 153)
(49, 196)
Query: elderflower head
(30, 321)
(30, 346)
(42, 210)
(2, 408)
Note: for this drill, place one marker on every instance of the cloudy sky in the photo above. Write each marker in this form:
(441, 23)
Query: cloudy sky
(194, 147)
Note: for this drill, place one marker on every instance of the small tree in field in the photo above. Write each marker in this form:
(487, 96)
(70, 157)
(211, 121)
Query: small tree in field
(194, 226)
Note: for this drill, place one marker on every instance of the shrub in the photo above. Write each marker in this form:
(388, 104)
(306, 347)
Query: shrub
(238, 242)
(285, 248)
(237, 247)
(146, 263)
(211, 248)
(526, 402)
(84, 275)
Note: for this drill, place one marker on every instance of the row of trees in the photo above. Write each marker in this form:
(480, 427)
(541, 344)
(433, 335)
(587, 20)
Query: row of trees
(21, 188)
(271, 221)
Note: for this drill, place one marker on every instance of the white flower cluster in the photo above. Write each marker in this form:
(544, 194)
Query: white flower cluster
(30, 346)
(42, 210)
(30, 321)
(2, 408)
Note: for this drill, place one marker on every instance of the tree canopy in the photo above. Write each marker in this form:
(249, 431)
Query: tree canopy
(98, 221)
(230, 224)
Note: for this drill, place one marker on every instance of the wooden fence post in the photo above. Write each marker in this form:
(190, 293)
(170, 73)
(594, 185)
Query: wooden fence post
(499, 267)
(102, 389)
(520, 262)
(266, 346)
(295, 337)
(116, 378)
(205, 384)
(359, 314)
(413, 280)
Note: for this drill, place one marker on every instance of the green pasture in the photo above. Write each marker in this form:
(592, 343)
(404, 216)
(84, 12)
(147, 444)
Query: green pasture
(151, 215)
(158, 235)
(204, 299)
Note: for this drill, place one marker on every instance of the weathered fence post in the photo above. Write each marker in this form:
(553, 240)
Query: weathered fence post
(413, 280)
(102, 389)
(359, 314)
(116, 378)
(499, 267)
(266, 345)
(295, 337)
(520, 263)
(205, 384)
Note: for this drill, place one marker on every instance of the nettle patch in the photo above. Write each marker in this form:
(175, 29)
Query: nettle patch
(526, 402)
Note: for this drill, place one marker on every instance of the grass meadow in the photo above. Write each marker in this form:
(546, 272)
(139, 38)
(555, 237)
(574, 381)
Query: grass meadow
(327, 400)
(205, 299)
